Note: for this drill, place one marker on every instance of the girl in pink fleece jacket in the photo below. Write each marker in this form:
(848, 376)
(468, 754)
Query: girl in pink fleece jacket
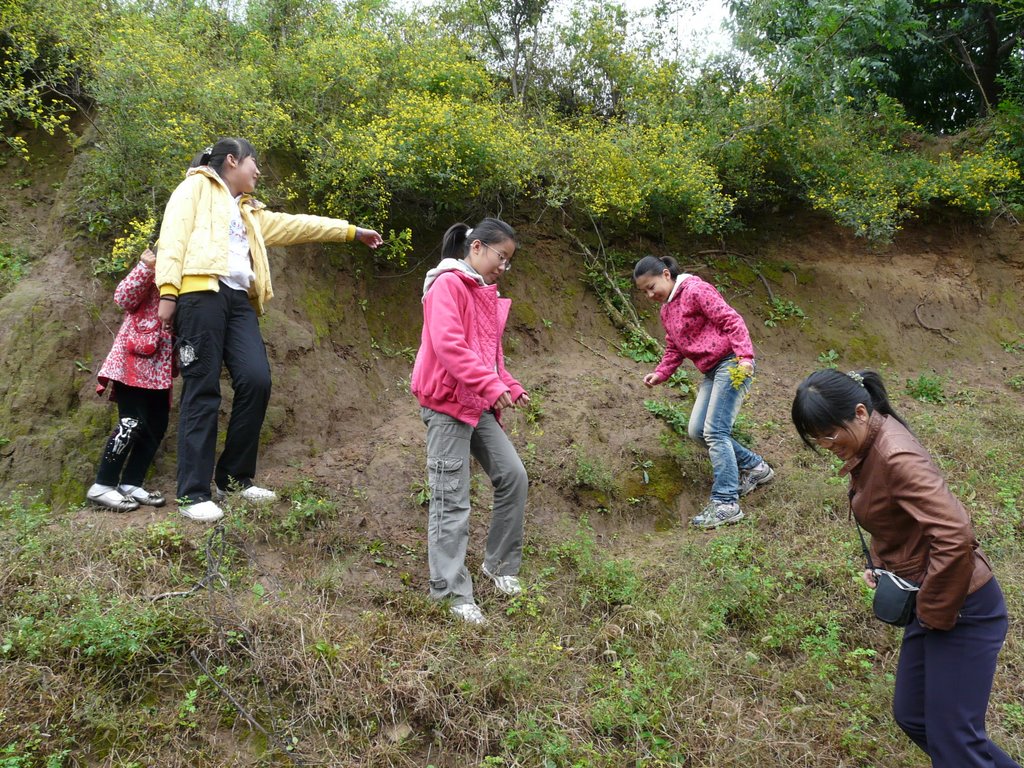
(461, 383)
(702, 327)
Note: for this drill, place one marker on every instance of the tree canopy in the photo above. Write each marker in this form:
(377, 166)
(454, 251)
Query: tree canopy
(372, 108)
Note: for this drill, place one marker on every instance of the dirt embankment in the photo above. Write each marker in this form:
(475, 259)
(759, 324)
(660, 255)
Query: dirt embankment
(341, 334)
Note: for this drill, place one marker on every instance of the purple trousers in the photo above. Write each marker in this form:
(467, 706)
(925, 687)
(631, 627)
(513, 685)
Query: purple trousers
(943, 682)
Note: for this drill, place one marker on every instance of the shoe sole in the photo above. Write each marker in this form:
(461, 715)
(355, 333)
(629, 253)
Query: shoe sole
(160, 503)
(201, 519)
(120, 508)
(708, 525)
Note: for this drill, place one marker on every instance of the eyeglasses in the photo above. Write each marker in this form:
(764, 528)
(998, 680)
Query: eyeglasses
(825, 441)
(505, 262)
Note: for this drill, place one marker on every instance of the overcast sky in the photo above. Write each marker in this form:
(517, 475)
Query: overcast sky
(700, 30)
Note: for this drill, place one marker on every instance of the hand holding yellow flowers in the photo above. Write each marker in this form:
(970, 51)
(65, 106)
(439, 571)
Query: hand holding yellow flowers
(739, 374)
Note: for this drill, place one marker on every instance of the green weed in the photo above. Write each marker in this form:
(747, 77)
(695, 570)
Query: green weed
(780, 310)
(675, 415)
(928, 388)
(829, 359)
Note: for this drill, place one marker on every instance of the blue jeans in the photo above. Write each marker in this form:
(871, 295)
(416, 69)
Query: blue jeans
(714, 412)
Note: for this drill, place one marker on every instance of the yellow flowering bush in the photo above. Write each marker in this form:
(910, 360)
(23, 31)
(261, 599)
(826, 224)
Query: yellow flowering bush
(138, 236)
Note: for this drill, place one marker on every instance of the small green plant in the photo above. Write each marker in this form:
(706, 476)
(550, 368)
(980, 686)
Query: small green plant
(643, 466)
(309, 509)
(591, 473)
(1017, 345)
(928, 388)
(1016, 383)
(780, 310)
(13, 266)
(680, 381)
(640, 347)
(675, 416)
(829, 359)
(420, 492)
(534, 410)
(397, 246)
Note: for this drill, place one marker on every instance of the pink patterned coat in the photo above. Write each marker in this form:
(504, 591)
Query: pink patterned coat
(700, 326)
(141, 355)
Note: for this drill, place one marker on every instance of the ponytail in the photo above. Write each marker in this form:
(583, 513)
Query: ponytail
(214, 155)
(490, 231)
(655, 265)
(828, 399)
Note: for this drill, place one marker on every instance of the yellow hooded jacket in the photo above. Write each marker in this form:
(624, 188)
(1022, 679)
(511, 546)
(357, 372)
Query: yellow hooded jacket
(193, 245)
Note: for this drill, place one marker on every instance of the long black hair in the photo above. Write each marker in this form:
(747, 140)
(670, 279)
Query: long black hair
(215, 155)
(655, 265)
(828, 399)
(456, 242)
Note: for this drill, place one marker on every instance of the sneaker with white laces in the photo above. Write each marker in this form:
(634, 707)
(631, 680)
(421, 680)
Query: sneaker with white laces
(717, 513)
(203, 511)
(509, 585)
(752, 479)
(143, 497)
(469, 613)
(110, 497)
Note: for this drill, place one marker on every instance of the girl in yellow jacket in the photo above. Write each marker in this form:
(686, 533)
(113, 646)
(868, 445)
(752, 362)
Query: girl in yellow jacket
(214, 281)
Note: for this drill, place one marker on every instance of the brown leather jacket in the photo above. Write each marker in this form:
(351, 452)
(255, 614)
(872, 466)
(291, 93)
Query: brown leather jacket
(919, 530)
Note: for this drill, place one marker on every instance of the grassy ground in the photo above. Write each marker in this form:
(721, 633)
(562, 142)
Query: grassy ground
(289, 637)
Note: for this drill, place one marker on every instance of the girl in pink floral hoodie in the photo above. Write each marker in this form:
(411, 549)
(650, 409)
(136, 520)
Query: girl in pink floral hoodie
(138, 372)
(700, 326)
(462, 386)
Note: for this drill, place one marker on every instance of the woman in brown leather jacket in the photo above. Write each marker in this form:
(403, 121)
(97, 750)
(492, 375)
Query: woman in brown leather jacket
(921, 532)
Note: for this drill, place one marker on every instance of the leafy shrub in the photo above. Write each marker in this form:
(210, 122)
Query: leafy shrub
(675, 415)
(928, 388)
(13, 266)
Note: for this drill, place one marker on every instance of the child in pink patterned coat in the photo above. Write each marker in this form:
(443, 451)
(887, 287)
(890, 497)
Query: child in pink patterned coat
(138, 372)
(702, 327)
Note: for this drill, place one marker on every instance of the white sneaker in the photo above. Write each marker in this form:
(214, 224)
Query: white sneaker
(139, 494)
(509, 585)
(469, 613)
(253, 494)
(110, 497)
(258, 495)
(204, 511)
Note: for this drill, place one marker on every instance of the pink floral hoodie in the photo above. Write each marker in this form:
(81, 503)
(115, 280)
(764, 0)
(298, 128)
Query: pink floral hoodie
(141, 354)
(460, 366)
(700, 326)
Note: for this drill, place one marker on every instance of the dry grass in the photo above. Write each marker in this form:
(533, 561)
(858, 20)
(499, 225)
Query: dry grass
(315, 645)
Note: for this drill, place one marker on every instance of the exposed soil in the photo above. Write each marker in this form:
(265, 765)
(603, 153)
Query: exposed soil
(942, 299)
(340, 335)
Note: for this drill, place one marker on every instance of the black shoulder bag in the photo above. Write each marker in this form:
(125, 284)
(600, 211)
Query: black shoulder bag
(894, 596)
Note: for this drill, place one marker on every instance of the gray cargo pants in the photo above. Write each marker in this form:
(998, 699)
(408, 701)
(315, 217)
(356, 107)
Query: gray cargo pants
(450, 443)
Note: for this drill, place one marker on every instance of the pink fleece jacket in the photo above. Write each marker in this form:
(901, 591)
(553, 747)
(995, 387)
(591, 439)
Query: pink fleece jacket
(700, 326)
(460, 366)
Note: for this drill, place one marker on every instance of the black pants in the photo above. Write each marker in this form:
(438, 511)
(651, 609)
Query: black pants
(141, 424)
(943, 683)
(216, 328)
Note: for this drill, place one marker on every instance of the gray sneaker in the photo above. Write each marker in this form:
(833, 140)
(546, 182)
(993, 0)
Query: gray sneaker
(718, 513)
(752, 479)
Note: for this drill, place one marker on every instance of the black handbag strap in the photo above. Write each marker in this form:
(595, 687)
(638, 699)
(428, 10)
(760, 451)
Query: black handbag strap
(863, 543)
